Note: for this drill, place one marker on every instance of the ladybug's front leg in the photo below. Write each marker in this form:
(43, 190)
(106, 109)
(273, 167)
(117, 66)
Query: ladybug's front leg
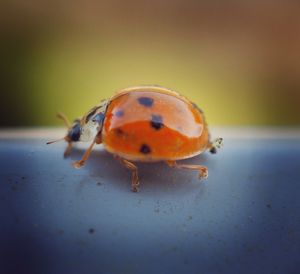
(86, 155)
(68, 149)
(203, 171)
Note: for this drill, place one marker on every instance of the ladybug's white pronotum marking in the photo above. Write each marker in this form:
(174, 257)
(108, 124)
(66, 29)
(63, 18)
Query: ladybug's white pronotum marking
(94, 122)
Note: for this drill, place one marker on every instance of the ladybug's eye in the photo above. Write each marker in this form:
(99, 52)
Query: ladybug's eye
(74, 133)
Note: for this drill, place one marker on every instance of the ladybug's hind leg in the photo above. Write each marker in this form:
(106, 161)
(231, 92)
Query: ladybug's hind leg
(134, 171)
(203, 171)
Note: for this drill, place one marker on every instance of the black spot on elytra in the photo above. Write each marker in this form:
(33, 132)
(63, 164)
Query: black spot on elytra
(156, 121)
(119, 113)
(145, 149)
(146, 101)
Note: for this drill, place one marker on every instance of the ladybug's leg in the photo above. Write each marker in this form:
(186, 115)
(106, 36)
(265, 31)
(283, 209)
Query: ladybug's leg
(216, 144)
(80, 163)
(135, 179)
(203, 172)
(68, 149)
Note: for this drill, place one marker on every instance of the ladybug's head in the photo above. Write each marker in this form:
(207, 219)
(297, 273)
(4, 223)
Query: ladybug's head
(86, 128)
(74, 131)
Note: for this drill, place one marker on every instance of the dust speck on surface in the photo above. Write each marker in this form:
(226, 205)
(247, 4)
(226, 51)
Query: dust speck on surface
(91, 230)
(14, 188)
(269, 206)
(99, 184)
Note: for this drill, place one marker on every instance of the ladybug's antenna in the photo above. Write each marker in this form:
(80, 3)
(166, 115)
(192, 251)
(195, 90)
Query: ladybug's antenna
(63, 117)
(58, 140)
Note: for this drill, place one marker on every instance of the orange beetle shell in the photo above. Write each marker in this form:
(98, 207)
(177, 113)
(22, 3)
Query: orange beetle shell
(153, 124)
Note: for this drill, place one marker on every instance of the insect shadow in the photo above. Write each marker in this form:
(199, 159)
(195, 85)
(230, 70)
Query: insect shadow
(102, 166)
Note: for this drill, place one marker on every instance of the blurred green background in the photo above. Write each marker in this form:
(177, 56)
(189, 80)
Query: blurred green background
(238, 60)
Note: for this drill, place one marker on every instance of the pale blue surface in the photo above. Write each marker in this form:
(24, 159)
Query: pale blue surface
(245, 218)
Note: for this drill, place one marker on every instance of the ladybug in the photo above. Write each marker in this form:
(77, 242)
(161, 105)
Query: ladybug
(144, 124)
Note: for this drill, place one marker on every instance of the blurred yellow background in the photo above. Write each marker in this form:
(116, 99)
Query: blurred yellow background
(238, 60)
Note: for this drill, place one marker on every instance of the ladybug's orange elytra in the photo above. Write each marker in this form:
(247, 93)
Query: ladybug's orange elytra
(150, 125)
(145, 124)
